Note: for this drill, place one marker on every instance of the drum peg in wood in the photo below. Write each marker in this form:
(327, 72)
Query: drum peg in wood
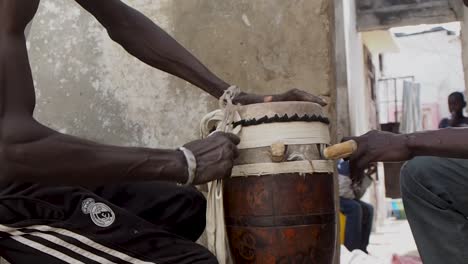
(340, 151)
(278, 151)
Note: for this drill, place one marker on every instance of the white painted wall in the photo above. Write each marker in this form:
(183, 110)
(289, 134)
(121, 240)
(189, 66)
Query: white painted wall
(434, 59)
(464, 37)
(358, 103)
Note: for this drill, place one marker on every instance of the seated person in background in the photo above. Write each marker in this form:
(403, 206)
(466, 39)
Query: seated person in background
(457, 103)
(358, 214)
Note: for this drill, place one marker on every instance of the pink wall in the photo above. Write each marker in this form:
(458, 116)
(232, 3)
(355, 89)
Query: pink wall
(430, 115)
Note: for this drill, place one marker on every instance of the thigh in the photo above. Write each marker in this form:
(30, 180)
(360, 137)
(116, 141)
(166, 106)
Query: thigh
(74, 225)
(150, 199)
(435, 200)
(180, 210)
(446, 181)
(367, 211)
(350, 207)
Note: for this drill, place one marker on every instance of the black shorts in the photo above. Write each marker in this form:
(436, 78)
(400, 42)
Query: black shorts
(148, 222)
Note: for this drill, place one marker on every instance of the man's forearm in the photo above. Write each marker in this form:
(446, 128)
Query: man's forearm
(63, 159)
(450, 143)
(145, 40)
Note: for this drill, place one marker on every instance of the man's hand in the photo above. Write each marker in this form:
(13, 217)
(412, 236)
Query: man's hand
(215, 156)
(377, 146)
(291, 95)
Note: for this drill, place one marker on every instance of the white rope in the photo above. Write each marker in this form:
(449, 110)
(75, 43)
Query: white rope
(301, 167)
(297, 133)
(222, 119)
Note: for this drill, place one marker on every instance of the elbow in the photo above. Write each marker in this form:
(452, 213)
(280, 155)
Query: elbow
(120, 34)
(113, 30)
(119, 28)
(123, 28)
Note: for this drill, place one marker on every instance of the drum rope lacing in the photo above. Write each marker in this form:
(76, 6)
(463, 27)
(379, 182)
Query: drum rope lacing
(222, 119)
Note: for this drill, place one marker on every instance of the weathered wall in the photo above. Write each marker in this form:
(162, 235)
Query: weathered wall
(89, 86)
(342, 101)
(464, 43)
(358, 95)
(262, 46)
(384, 14)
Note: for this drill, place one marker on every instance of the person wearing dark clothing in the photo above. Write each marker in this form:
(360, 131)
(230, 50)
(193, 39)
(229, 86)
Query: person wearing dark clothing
(359, 215)
(456, 104)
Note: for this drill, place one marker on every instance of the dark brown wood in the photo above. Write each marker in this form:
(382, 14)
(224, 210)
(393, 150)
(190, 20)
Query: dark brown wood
(392, 179)
(284, 218)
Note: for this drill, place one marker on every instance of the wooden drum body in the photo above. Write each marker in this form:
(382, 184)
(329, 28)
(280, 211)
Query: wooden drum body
(283, 212)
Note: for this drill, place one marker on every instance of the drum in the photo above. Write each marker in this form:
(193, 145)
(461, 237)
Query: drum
(279, 204)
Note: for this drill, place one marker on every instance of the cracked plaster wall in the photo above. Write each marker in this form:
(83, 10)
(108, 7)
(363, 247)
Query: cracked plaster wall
(89, 86)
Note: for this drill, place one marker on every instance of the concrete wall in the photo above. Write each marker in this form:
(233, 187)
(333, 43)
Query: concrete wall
(464, 42)
(362, 111)
(358, 103)
(384, 14)
(89, 86)
(342, 96)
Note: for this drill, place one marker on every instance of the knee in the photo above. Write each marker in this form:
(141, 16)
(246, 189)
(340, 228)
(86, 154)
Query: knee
(351, 208)
(369, 208)
(416, 171)
(196, 200)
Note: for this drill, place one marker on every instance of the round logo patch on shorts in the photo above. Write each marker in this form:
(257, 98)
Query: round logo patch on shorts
(101, 214)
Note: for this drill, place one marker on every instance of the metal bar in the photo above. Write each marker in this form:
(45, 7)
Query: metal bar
(396, 100)
(393, 78)
(406, 7)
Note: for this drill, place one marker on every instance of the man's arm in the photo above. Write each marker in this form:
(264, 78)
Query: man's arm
(378, 146)
(32, 152)
(39, 154)
(148, 42)
(448, 143)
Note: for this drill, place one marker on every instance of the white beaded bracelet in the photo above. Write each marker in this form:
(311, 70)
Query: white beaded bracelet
(191, 165)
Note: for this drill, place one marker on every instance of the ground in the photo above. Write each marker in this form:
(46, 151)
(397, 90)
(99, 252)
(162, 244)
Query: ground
(394, 237)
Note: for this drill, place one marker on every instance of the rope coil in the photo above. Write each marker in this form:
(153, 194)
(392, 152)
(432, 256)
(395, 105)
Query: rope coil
(223, 120)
